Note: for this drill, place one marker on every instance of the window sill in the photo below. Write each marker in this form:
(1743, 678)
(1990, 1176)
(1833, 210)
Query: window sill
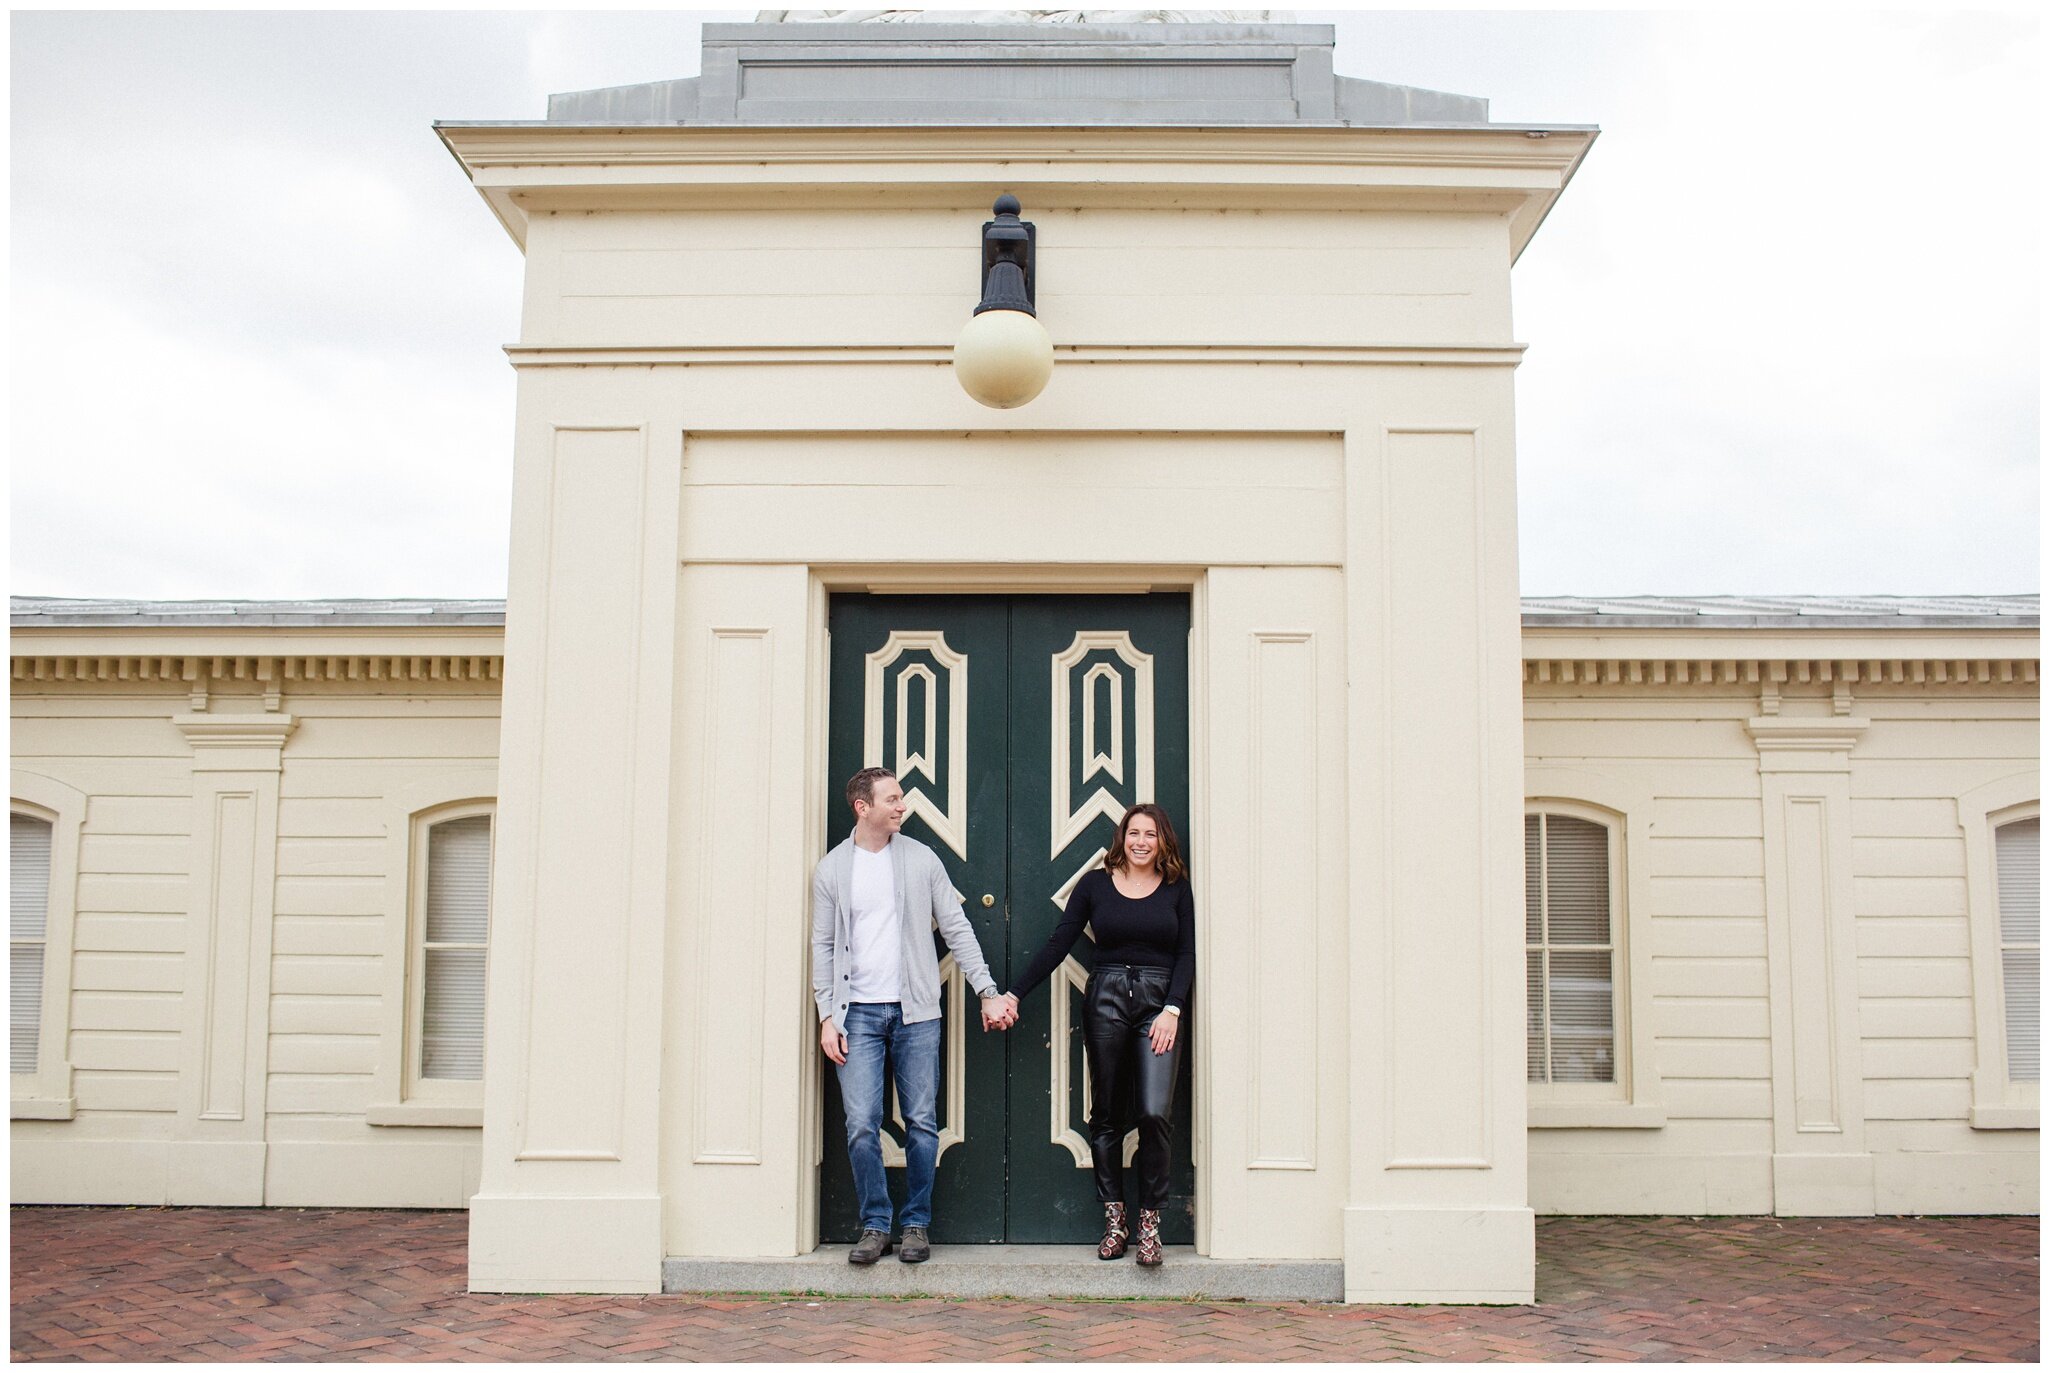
(1595, 1115)
(43, 1108)
(2005, 1117)
(425, 1114)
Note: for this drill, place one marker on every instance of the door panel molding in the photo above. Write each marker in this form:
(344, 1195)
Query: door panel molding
(949, 820)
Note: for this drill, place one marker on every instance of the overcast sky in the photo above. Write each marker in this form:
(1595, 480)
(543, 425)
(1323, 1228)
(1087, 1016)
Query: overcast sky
(1783, 326)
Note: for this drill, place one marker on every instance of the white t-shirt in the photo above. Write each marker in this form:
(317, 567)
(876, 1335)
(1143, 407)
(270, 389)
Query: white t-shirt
(877, 954)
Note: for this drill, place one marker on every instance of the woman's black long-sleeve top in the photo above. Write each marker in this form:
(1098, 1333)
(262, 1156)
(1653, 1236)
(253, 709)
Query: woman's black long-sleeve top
(1157, 930)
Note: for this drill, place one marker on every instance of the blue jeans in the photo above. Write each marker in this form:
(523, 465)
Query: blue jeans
(875, 1031)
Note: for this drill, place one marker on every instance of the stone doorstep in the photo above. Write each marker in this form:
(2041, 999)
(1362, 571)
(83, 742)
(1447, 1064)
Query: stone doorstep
(1032, 1271)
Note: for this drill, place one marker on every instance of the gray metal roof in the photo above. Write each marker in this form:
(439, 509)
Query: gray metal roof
(1539, 612)
(1781, 612)
(954, 72)
(56, 612)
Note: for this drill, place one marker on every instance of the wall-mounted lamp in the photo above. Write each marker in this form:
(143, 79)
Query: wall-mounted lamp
(1004, 357)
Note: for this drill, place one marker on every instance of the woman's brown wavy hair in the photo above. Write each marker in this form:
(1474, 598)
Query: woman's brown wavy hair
(1172, 868)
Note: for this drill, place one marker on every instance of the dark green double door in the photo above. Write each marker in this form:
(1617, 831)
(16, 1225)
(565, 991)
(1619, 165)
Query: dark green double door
(1020, 728)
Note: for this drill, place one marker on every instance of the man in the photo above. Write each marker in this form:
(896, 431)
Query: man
(874, 900)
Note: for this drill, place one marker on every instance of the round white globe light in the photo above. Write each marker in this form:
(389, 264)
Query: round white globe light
(1003, 358)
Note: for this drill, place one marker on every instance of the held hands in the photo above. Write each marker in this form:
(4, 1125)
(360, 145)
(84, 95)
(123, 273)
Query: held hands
(832, 1041)
(1164, 1027)
(999, 1012)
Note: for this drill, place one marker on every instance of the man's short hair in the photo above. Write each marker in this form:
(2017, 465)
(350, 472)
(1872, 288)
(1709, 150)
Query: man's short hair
(861, 786)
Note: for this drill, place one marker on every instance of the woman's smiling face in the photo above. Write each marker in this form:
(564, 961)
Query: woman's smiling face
(1142, 841)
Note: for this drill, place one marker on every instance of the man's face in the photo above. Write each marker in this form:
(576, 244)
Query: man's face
(885, 812)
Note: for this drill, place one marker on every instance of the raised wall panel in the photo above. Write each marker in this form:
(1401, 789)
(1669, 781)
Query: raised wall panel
(1012, 497)
(741, 1039)
(1815, 1050)
(1273, 929)
(1286, 1024)
(728, 1003)
(1432, 991)
(732, 278)
(574, 1089)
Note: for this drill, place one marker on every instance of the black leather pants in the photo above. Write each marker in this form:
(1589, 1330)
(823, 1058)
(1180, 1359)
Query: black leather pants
(1118, 1008)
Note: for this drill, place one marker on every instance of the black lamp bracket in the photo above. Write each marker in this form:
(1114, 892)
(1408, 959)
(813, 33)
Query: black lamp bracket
(1009, 240)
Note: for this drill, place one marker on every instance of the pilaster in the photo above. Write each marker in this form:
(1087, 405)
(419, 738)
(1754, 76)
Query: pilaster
(236, 762)
(1820, 1164)
(570, 1197)
(1438, 1206)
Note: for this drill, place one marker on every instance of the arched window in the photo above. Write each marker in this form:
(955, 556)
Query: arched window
(1588, 1036)
(430, 1070)
(1570, 948)
(2015, 848)
(452, 937)
(2002, 826)
(44, 816)
(28, 930)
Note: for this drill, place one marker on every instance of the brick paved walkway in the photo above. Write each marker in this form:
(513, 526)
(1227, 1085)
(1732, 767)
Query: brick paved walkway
(93, 1283)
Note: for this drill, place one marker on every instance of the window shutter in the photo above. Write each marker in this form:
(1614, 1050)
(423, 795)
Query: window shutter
(2016, 847)
(28, 854)
(458, 927)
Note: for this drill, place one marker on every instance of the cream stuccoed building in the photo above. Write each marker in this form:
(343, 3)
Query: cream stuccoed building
(1505, 907)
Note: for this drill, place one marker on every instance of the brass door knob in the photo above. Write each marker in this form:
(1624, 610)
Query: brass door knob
(988, 900)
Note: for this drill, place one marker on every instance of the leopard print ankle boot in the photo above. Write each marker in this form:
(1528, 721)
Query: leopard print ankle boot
(1149, 1239)
(1114, 1232)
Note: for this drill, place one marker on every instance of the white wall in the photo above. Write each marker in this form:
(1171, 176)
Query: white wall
(1704, 936)
(230, 1051)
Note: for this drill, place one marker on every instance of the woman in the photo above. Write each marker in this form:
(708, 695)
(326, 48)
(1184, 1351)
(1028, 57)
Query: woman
(1138, 907)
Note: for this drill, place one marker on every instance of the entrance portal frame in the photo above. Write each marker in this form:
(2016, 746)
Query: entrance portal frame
(1358, 634)
(981, 579)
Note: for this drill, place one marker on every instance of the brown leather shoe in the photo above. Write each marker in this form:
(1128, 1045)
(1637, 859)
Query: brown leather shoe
(872, 1246)
(913, 1246)
(1149, 1239)
(1114, 1232)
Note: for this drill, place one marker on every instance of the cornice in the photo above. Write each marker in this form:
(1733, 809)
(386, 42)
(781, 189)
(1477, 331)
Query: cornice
(235, 731)
(261, 668)
(1542, 669)
(520, 169)
(1794, 734)
(484, 147)
(241, 744)
(199, 676)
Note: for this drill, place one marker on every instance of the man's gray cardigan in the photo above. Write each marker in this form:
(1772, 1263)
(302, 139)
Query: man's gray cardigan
(925, 898)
